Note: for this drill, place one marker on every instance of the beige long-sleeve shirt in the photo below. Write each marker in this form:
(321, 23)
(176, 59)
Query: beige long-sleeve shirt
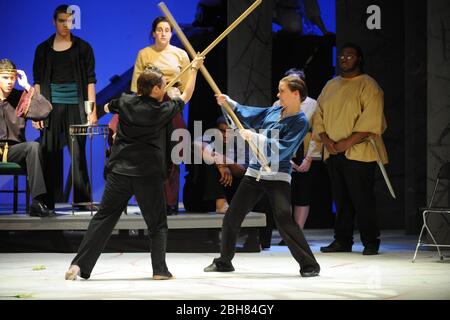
(348, 105)
(170, 61)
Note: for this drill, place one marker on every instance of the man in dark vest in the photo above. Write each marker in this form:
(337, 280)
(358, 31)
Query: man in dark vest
(64, 73)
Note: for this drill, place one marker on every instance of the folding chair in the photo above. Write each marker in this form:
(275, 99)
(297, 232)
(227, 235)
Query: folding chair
(444, 174)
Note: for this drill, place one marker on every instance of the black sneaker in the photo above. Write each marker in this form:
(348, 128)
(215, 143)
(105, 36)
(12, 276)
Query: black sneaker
(336, 247)
(172, 210)
(370, 250)
(219, 267)
(309, 274)
(310, 271)
(38, 209)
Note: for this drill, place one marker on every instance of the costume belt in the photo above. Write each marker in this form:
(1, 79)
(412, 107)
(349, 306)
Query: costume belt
(4, 151)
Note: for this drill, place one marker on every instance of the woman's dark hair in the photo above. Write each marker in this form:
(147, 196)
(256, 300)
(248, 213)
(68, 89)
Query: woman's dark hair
(359, 53)
(150, 77)
(296, 84)
(157, 21)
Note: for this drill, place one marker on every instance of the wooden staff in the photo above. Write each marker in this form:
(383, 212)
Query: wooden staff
(259, 155)
(165, 10)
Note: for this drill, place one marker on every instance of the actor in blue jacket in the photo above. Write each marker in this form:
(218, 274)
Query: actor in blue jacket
(283, 127)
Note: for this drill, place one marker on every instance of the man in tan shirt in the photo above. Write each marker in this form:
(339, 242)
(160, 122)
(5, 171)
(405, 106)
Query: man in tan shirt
(350, 109)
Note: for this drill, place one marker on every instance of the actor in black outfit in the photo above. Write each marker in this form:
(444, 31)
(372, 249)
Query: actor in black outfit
(15, 107)
(136, 167)
(64, 73)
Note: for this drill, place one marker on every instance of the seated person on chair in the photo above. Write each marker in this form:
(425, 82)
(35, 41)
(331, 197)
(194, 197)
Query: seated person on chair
(15, 107)
(222, 170)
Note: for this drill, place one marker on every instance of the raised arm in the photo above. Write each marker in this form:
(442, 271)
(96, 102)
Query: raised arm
(190, 85)
(32, 105)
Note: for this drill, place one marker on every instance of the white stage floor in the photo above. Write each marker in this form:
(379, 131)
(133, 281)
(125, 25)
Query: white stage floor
(268, 275)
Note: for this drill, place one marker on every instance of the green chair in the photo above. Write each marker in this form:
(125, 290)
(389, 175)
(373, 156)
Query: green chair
(13, 169)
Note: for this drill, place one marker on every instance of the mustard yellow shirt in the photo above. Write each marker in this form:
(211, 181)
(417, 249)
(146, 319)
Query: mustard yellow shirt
(170, 61)
(348, 105)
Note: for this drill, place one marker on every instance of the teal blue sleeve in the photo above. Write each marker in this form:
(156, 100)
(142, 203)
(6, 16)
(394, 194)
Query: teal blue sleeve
(251, 117)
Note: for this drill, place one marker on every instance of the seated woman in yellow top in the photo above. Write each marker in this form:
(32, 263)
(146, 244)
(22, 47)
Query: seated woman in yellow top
(170, 60)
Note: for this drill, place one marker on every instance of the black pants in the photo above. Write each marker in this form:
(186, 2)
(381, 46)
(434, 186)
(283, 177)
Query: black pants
(265, 233)
(248, 194)
(55, 136)
(149, 192)
(214, 190)
(352, 184)
(28, 155)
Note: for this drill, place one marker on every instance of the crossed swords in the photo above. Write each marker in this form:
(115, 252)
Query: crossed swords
(259, 155)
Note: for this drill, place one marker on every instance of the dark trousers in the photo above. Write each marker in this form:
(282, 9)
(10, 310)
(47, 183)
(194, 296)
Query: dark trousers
(28, 155)
(265, 233)
(55, 136)
(248, 194)
(149, 193)
(172, 184)
(352, 184)
(214, 190)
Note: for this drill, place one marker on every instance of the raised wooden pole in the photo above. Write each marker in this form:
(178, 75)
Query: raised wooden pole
(259, 155)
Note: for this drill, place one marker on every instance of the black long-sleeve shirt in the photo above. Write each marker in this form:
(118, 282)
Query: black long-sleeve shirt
(83, 61)
(140, 147)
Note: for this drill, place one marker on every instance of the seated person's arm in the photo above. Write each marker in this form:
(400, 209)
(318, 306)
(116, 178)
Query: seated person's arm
(238, 170)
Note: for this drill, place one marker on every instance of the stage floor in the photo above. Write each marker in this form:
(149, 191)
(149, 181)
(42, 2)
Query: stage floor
(268, 275)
